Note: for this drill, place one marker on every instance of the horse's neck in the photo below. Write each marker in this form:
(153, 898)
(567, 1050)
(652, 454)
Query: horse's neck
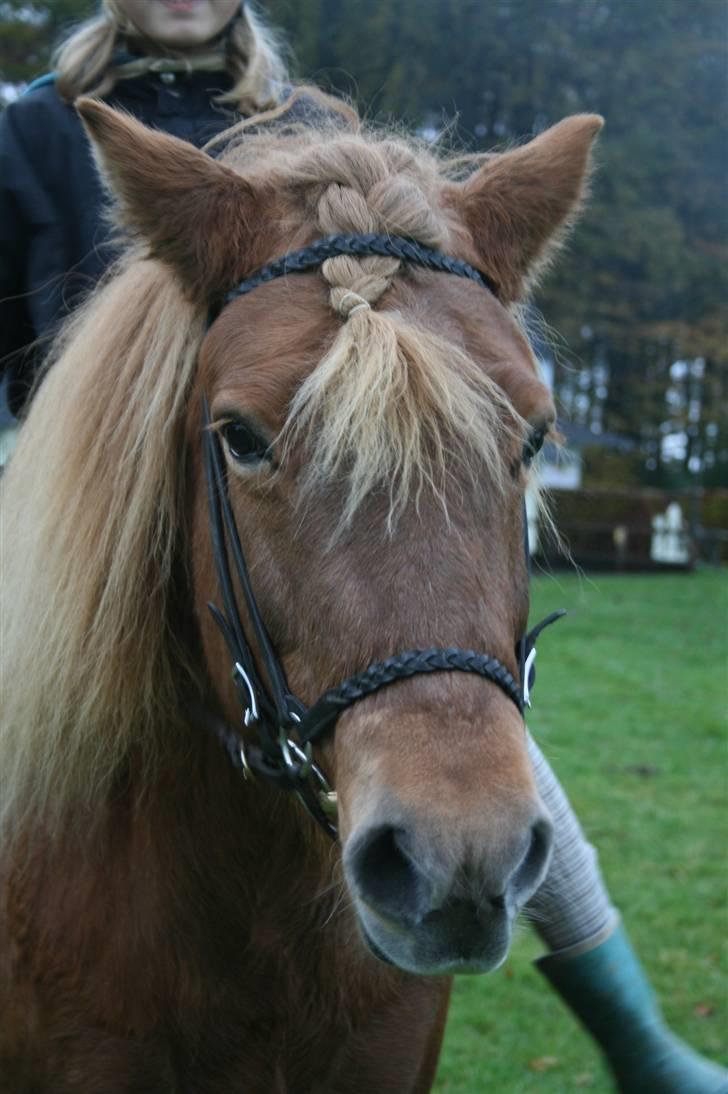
(185, 881)
(229, 848)
(202, 912)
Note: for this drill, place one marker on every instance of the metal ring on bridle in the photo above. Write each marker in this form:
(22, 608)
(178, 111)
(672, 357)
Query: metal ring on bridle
(299, 761)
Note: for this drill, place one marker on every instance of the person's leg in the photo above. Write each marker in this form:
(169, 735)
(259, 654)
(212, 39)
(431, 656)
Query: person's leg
(572, 906)
(595, 970)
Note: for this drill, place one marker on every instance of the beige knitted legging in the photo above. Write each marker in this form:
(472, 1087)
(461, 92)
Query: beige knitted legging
(571, 910)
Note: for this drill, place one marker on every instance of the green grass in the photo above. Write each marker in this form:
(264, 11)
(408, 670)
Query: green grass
(631, 709)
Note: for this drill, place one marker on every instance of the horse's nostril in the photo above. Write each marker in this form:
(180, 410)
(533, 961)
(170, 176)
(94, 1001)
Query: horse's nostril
(529, 874)
(386, 869)
(385, 875)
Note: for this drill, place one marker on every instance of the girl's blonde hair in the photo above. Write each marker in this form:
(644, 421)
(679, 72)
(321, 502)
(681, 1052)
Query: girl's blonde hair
(251, 54)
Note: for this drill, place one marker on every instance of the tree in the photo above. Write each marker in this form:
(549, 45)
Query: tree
(30, 29)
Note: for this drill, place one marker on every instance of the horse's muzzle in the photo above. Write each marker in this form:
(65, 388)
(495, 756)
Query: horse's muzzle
(438, 904)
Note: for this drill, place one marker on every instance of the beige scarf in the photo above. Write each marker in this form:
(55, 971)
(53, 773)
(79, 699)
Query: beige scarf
(213, 61)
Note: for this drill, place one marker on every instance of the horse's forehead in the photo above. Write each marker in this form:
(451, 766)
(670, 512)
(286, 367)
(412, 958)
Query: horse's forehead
(492, 336)
(263, 345)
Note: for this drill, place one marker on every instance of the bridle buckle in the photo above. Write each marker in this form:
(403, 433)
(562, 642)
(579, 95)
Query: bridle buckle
(298, 761)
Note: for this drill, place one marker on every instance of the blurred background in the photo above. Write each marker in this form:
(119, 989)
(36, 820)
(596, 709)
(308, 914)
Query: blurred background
(631, 326)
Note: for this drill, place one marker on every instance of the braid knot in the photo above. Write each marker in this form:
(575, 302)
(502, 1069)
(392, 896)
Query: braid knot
(370, 196)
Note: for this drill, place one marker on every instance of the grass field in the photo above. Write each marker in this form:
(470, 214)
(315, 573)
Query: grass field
(631, 709)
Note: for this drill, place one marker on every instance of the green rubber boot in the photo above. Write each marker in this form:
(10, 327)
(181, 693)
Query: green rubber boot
(608, 991)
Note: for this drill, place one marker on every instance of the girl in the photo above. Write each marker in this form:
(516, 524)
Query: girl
(189, 67)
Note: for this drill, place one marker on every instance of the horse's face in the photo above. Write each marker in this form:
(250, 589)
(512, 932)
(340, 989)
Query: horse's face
(444, 837)
(389, 517)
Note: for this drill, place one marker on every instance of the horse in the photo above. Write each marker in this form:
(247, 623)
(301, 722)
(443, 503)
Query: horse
(336, 452)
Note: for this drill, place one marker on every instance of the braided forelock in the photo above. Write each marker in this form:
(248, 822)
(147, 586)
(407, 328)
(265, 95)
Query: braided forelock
(371, 193)
(342, 209)
(391, 405)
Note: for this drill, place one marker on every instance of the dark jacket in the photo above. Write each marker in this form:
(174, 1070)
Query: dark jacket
(53, 237)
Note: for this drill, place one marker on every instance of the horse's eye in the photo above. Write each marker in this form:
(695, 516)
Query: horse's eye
(244, 444)
(533, 446)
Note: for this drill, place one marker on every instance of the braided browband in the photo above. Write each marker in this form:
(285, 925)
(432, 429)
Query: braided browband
(407, 250)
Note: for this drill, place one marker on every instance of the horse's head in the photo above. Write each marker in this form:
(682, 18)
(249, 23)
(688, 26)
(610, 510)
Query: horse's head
(374, 418)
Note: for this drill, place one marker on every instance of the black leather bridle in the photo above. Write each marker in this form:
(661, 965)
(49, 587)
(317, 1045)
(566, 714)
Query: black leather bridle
(286, 729)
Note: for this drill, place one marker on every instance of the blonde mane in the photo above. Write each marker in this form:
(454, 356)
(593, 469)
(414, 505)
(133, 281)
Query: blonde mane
(91, 507)
(92, 503)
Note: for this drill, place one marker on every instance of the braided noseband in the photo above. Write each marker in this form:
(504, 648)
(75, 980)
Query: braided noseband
(286, 729)
(324, 713)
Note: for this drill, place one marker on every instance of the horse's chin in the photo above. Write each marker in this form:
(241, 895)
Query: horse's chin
(429, 949)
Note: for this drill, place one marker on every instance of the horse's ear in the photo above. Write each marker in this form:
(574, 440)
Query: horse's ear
(194, 213)
(517, 205)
